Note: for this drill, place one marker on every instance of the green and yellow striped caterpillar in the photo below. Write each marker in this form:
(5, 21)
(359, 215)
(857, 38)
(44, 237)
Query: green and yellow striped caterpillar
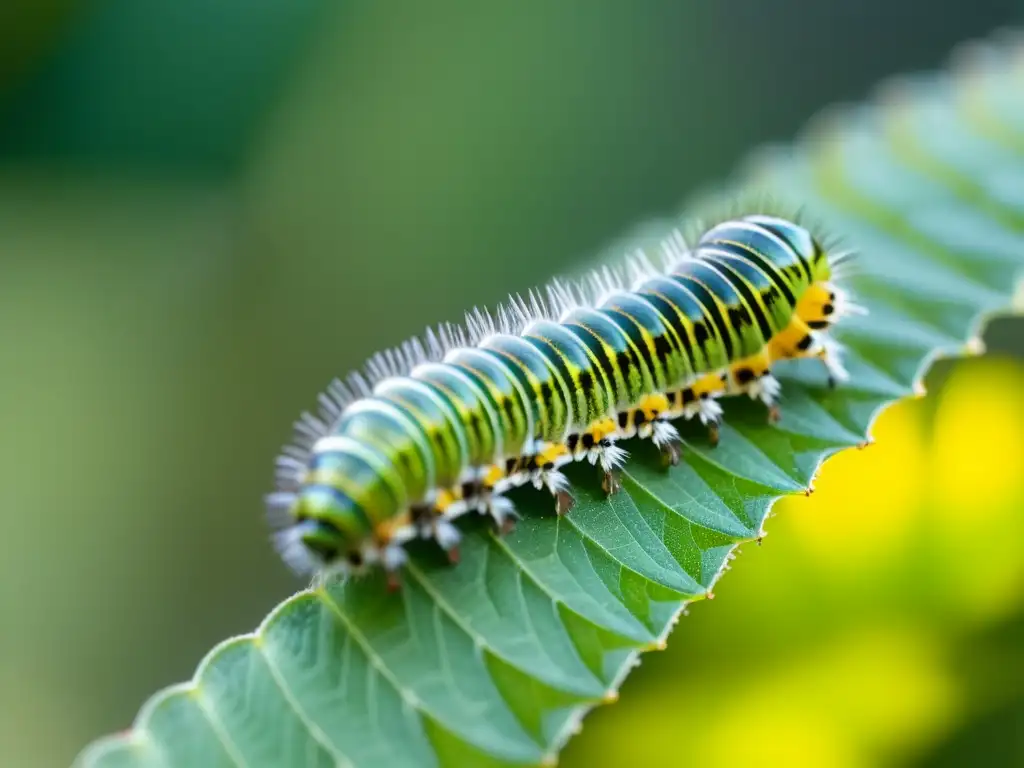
(447, 425)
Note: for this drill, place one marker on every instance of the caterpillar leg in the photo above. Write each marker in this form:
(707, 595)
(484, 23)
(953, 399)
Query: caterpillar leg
(393, 557)
(699, 400)
(433, 520)
(650, 420)
(557, 485)
(596, 445)
(544, 473)
(447, 537)
(752, 376)
(671, 449)
(704, 403)
(503, 512)
(540, 468)
(487, 499)
(829, 351)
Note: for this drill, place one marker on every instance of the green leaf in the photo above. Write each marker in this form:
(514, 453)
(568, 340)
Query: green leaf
(494, 662)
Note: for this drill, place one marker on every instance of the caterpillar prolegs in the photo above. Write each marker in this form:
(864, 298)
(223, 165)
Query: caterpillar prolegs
(447, 425)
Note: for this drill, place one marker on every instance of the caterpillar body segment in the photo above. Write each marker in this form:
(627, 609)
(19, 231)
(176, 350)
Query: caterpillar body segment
(446, 426)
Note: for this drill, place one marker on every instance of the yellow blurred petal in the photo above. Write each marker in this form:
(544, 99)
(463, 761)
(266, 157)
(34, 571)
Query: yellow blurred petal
(876, 693)
(773, 728)
(861, 700)
(888, 686)
(865, 500)
(977, 487)
(978, 444)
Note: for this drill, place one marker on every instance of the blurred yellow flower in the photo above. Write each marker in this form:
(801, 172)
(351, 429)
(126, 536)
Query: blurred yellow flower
(865, 697)
(843, 524)
(976, 486)
(977, 445)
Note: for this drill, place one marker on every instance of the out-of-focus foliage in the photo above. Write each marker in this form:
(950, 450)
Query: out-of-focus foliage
(28, 28)
(174, 84)
(158, 333)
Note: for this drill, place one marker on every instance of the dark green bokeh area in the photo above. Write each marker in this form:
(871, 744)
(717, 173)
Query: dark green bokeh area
(209, 208)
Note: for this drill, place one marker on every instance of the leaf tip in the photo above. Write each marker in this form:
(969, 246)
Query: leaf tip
(658, 645)
(975, 346)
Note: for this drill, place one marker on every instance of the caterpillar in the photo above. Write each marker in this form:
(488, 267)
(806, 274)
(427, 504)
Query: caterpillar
(447, 424)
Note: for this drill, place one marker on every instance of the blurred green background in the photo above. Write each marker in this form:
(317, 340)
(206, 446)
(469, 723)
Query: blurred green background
(208, 208)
